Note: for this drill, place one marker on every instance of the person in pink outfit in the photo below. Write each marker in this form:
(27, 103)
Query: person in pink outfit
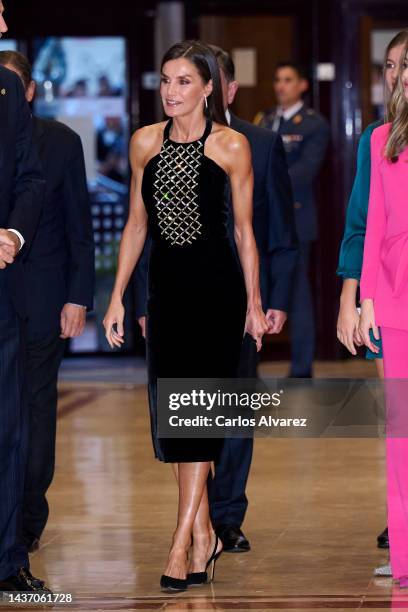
(384, 301)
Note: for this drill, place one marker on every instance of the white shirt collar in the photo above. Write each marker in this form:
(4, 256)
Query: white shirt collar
(228, 116)
(291, 111)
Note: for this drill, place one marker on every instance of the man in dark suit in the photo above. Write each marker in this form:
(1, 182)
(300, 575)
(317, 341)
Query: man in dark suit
(60, 282)
(276, 239)
(21, 199)
(305, 136)
(275, 234)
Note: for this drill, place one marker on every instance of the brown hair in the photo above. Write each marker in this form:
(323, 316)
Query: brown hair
(399, 39)
(20, 63)
(203, 58)
(398, 111)
(225, 62)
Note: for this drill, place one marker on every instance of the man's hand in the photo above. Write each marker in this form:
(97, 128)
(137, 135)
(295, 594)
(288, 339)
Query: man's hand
(73, 319)
(9, 247)
(142, 323)
(276, 320)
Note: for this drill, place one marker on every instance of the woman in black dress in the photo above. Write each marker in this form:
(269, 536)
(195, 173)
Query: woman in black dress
(200, 300)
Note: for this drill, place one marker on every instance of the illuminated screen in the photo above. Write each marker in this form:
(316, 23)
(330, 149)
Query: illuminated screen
(8, 45)
(82, 83)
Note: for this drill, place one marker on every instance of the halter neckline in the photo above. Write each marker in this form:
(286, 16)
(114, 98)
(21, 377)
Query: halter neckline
(202, 139)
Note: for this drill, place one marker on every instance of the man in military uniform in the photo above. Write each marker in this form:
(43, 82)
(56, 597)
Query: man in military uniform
(305, 136)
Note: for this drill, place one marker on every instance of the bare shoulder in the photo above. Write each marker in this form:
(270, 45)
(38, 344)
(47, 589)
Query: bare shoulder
(146, 142)
(229, 148)
(230, 140)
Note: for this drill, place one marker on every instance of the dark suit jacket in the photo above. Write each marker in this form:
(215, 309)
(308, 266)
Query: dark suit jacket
(21, 180)
(60, 263)
(305, 138)
(273, 221)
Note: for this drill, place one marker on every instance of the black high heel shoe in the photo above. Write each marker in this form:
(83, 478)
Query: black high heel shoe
(173, 585)
(198, 578)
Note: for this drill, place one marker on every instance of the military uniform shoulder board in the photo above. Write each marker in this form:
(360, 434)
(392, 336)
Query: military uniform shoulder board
(259, 117)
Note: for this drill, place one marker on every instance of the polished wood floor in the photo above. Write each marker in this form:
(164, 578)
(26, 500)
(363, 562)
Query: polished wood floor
(316, 506)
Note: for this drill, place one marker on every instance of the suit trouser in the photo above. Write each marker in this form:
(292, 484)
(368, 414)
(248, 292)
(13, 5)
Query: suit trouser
(301, 317)
(13, 436)
(44, 356)
(395, 349)
(226, 489)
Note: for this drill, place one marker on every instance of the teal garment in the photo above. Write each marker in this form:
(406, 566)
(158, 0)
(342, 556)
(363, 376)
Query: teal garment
(352, 246)
(378, 344)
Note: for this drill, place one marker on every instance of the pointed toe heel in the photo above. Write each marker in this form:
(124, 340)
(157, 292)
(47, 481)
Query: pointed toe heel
(199, 578)
(211, 575)
(173, 585)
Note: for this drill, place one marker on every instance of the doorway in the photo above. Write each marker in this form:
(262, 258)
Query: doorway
(257, 43)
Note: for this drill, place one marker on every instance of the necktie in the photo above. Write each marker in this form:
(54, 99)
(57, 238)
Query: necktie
(277, 123)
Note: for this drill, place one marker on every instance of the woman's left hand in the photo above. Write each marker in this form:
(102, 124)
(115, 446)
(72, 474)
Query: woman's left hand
(256, 325)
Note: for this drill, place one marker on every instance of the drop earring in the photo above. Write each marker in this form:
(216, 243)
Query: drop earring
(205, 102)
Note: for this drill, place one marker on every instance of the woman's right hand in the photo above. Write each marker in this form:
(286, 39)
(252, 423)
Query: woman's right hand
(367, 322)
(115, 315)
(142, 323)
(256, 325)
(347, 326)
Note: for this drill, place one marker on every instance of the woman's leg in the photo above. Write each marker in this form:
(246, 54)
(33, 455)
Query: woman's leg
(192, 481)
(203, 537)
(203, 533)
(395, 346)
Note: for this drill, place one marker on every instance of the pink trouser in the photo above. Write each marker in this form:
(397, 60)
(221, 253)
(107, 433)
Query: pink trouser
(395, 349)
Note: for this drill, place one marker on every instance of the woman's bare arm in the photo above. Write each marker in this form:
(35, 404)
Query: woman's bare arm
(348, 319)
(242, 184)
(134, 233)
(239, 166)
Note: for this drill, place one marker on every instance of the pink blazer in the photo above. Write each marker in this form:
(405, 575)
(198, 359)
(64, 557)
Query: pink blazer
(385, 265)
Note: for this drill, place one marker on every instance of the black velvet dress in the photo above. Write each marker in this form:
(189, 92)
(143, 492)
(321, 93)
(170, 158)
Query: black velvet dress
(196, 293)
